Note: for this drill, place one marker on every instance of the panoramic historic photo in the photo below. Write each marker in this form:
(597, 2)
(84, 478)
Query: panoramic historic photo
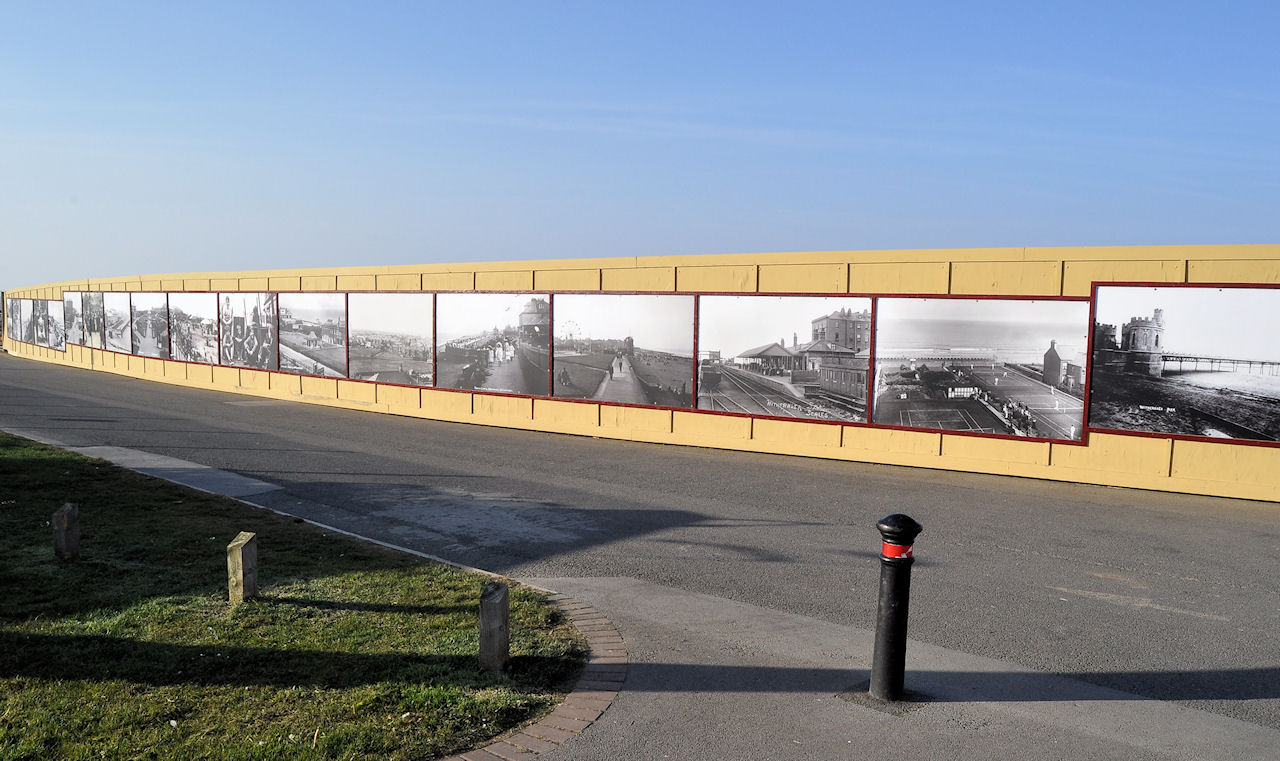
(1189, 360)
(247, 330)
(150, 324)
(497, 342)
(73, 316)
(391, 337)
(94, 327)
(626, 348)
(784, 356)
(119, 333)
(193, 327)
(999, 366)
(313, 333)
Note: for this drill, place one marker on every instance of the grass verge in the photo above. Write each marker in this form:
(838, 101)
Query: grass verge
(350, 652)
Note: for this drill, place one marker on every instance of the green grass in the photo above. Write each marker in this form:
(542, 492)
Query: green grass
(350, 652)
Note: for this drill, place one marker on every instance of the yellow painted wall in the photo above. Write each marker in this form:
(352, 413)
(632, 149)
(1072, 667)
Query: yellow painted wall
(1148, 462)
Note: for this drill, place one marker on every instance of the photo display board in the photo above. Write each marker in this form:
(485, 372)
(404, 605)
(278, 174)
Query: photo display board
(119, 333)
(392, 337)
(57, 331)
(73, 316)
(27, 326)
(1193, 361)
(13, 319)
(149, 323)
(95, 331)
(995, 366)
(497, 342)
(803, 357)
(247, 330)
(40, 322)
(624, 348)
(193, 327)
(313, 333)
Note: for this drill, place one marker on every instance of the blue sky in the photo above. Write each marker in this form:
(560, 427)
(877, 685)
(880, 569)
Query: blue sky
(166, 137)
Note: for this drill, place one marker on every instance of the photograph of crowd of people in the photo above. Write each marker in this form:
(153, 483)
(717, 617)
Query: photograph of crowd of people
(247, 330)
(313, 333)
(94, 325)
(1002, 366)
(624, 348)
(193, 327)
(150, 324)
(119, 332)
(494, 342)
(391, 337)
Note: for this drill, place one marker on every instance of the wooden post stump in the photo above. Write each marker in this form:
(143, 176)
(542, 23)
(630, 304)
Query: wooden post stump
(495, 630)
(66, 532)
(242, 567)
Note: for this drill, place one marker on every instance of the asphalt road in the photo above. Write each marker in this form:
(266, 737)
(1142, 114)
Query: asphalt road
(1162, 596)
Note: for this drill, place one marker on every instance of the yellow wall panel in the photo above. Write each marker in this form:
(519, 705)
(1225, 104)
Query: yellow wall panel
(224, 284)
(195, 284)
(519, 280)
(284, 284)
(1078, 277)
(1112, 453)
(502, 409)
(175, 370)
(560, 416)
(200, 374)
(400, 282)
(256, 380)
(171, 285)
(357, 282)
(1234, 271)
(361, 393)
(566, 280)
(131, 286)
(446, 405)
(699, 427)
(226, 378)
(1007, 278)
(151, 285)
(283, 383)
(399, 399)
(635, 419)
(1210, 461)
(735, 279)
(254, 284)
(448, 281)
(320, 388)
(890, 440)
(804, 278)
(787, 433)
(1000, 450)
(899, 277)
(639, 279)
(318, 282)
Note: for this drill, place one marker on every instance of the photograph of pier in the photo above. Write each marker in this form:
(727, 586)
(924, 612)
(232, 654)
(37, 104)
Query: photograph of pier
(117, 325)
(498, 342)
(247, 330)
(94, 322)
(72, 316)
(193, 327)
(313, 333)
(624, 348)
(784, 356)
(998, 366)
(1186, 360)
(391, 337)
(149, 324)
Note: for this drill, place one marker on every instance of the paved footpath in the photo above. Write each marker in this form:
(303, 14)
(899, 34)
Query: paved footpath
(1048, 620)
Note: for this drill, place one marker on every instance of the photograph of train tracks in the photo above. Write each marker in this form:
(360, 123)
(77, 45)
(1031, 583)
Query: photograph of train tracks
(149, 323)
(1190, 360)
(997, 366)
(498, 342)
(247, 330)
(391, 337)
(94, 326)
(313, 333)
(784, 356)
(624, 348)
(116, 322)
(73, 317)
(193, 327)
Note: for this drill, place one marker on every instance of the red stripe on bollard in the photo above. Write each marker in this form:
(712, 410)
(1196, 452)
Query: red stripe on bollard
(896, 550)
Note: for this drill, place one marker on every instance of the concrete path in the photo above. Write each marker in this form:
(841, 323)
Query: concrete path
(623, 387)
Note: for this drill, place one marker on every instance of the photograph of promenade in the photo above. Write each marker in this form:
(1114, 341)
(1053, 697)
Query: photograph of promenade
(150, 324)
(117, 323)
(247, 330)
(1186, 360)
(73, 316)
(193, 327)
(498, 342)
(313, 333)
(94, 325)
(998, 366)
(802, 357)
(391, 337)
(624, 348)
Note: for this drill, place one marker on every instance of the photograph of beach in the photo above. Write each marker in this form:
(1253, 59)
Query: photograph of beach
(499, 342)
(313, 333)
(391, 337)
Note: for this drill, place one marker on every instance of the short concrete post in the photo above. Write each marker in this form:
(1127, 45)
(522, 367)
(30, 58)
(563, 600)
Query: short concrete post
(242, 567)
(495, 626)
(66, 532)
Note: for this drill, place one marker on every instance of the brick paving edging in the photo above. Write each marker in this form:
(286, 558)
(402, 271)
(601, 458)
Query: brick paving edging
(598, 685)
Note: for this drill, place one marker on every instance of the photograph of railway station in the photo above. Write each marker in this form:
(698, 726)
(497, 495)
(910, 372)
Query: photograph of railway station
(149, 323)
(1191, 360)
(313, 333)
(391, 337)
(115, 314)
(997, 366)
(193, 327)
(498, 342)
(624, 348)
(816, 368)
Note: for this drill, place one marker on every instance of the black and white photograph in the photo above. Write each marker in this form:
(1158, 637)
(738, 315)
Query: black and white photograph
(624, 348)
(13, 319)
(40, 323)
(247, 330)
(94, 322)
(313, 333)
(1195, 361)
(73, 316)
(57, 331)
(116, 323)
(499, 342)
(150, 324)
(391, 337)
(193, 327)
(800, 357)
(26, 321)
(999, 366)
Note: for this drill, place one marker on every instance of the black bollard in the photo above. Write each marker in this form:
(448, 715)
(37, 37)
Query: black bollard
(889, 660)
